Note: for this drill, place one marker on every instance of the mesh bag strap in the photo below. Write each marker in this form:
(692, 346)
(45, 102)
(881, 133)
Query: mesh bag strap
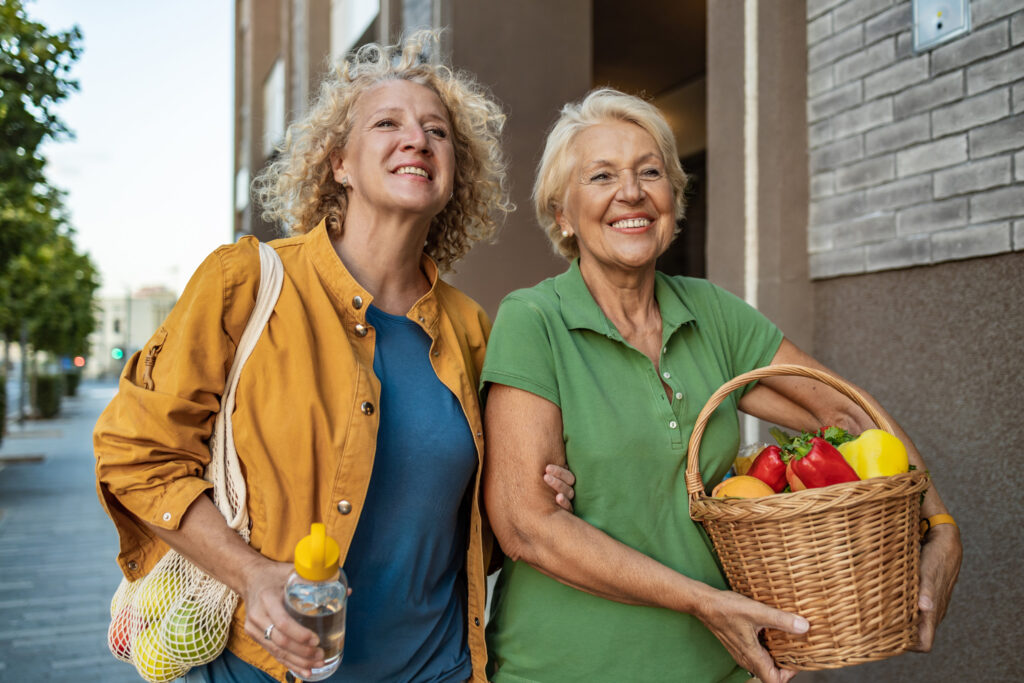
(224, 471)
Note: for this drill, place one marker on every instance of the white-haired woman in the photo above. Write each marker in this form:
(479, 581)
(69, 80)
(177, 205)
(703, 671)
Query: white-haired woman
(358, 406)
(605, 367)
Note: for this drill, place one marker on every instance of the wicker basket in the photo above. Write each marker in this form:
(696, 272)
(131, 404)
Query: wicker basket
(845, 557)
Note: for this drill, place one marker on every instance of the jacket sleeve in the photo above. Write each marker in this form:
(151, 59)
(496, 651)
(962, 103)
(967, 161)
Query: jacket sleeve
(151, 441)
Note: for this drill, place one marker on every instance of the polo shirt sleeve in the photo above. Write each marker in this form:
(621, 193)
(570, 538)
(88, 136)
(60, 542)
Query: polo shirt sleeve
(519, 352)
(749, 337)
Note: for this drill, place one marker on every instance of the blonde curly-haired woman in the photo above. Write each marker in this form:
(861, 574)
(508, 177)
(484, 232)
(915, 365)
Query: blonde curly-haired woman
(358, 407)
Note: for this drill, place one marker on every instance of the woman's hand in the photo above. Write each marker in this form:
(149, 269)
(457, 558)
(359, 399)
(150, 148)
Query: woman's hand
(737, 622)
(290, 643)
(940, 565)
(561, 481)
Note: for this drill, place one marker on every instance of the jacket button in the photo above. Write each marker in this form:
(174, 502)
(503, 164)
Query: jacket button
(367, 408)
(476, 620)
(357, 301)
(361, 330)
(344, 507)
(133, 565)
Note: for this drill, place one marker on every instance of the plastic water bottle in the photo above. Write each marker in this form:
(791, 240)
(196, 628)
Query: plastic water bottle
(315, 596)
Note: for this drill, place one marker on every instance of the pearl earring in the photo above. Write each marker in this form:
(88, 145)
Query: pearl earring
(565, 233)
(344, 182)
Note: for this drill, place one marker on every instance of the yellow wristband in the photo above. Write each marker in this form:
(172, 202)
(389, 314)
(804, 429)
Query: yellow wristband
(935, 520)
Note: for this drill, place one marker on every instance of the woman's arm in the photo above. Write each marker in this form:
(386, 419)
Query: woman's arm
(523, 435)
(802, 403)
(208, 542)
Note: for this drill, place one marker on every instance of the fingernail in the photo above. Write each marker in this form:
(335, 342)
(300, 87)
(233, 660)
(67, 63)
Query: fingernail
(801, 625)
(926, 603)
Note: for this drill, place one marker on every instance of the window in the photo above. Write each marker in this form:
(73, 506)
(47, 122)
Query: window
(273, 108)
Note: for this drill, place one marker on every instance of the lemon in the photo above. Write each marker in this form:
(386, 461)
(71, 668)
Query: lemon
(152, 660)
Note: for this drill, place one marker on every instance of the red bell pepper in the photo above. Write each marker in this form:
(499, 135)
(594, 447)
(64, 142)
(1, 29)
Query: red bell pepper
(770, 468)
(816, 463)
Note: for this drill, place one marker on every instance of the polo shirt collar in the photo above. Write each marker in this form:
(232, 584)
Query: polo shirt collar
(345, 289)
(580, 310)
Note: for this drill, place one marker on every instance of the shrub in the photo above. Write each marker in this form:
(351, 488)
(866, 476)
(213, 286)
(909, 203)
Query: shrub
(46, 395)
(71, 381)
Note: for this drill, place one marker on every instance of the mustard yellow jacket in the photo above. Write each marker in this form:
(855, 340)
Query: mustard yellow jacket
(305, 422)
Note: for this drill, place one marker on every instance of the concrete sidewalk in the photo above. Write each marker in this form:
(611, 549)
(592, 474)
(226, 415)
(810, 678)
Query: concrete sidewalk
(57, 550)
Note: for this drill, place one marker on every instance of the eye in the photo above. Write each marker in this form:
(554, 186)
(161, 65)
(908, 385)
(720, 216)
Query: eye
(384, 123)
(438, 132)
(651, 173)
(600, 178)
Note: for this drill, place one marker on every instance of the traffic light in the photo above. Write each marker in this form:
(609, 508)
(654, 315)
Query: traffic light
(79, 361)
(117, 353)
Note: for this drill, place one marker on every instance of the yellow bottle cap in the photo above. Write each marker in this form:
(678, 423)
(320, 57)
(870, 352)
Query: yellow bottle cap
(316, 555)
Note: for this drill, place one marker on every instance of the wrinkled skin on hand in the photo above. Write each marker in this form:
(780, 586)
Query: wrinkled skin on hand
(737, 622)
(941, 556)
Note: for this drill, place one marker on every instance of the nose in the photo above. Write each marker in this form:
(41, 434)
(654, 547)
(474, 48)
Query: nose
(416, 138)
(630, 190)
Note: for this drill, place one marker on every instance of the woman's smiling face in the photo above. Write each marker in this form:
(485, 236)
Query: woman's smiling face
(619, 202)
(399, 155)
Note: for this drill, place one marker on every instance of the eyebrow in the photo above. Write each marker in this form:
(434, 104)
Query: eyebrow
(605, 162)
(398, 110)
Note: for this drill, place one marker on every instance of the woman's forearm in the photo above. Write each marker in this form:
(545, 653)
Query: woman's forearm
(205, 538)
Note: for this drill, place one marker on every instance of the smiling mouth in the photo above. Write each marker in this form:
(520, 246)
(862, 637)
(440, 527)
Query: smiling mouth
(632, 223)
(412, 170)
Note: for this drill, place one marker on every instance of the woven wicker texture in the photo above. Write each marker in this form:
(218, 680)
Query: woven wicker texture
(845, 557)
(177, 616)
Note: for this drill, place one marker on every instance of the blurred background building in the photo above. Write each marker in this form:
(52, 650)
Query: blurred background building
(123, 326)
(862, 188)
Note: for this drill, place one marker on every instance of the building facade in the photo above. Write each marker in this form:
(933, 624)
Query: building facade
(123, 326)
(866, 195)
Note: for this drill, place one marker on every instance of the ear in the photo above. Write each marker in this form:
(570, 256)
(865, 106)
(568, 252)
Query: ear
(562, 221)
(338, 165)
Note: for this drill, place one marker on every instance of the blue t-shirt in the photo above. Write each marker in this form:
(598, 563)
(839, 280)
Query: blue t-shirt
(407, 613)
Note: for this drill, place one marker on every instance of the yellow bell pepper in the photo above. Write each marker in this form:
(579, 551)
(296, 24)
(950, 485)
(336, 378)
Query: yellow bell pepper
(876, 453)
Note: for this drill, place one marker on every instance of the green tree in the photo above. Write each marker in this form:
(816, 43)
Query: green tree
(34, 68)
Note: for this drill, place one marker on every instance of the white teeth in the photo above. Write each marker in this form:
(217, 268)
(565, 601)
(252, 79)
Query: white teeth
(632, 223)
(414, 170)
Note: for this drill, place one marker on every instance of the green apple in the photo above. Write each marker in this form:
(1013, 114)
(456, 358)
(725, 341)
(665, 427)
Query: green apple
(189, 637)
(152, 660)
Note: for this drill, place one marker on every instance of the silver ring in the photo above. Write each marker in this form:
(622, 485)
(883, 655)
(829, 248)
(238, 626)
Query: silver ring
(266, 634)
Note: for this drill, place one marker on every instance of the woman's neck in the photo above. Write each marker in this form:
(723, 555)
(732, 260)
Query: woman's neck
(627, 298)
(383, 253)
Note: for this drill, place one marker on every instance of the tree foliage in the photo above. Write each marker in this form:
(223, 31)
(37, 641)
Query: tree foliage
(34, 69)
(46, 285)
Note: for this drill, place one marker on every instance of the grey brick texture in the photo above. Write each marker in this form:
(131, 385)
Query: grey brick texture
(915, 158)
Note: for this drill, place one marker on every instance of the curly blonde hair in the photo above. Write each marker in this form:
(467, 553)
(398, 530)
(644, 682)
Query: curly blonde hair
(556, 164)
(298, 189)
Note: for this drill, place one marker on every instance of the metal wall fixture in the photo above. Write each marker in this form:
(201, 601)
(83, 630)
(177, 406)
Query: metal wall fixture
(938, 21)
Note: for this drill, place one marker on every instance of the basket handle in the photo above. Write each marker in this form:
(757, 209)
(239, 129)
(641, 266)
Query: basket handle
(694, 483)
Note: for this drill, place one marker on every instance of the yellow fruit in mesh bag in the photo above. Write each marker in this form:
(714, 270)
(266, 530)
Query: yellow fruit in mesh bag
(152, 660)
(154, 597)
(191, 639)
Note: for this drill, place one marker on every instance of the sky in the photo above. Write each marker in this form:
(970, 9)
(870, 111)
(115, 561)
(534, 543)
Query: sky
(149, 173)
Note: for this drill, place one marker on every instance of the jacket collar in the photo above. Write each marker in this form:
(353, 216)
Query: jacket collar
(352, 296)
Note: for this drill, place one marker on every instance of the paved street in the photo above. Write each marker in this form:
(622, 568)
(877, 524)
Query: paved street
(57, 551)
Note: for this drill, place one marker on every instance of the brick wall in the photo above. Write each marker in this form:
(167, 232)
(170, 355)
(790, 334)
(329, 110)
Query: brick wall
(914, 158)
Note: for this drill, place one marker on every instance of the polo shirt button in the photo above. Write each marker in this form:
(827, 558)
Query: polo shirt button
(361, 329)
(367, 408)
(673, 424)
(666, 375)
(344, 507)
(357, 301)
(679, 395)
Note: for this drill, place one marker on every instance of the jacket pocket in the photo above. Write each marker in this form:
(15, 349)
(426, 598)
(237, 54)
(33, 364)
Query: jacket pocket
(156, 345)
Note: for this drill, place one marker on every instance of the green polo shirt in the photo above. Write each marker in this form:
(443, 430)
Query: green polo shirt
(626, 443)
